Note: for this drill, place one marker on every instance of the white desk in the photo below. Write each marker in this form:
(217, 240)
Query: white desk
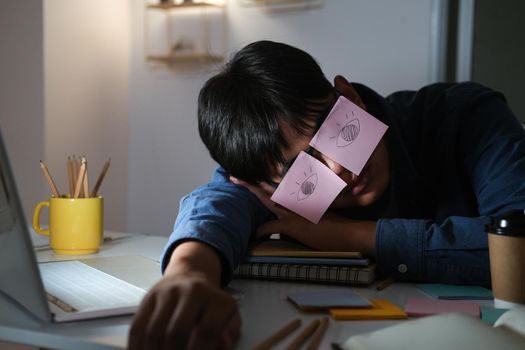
(263, 308)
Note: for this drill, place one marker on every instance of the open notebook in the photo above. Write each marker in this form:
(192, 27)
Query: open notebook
(97, 287)
(64, 290)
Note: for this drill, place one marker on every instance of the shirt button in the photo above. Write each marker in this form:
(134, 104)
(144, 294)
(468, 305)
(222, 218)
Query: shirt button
(402, 268)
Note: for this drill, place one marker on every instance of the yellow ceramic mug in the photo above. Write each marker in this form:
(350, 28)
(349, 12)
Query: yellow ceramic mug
(75, 224)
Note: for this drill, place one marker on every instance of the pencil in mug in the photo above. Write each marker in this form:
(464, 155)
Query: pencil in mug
(100, 178)
(70, 176)
(74, 168)
(49, 179)
(85, 183)
(82, 160)
(80, 178)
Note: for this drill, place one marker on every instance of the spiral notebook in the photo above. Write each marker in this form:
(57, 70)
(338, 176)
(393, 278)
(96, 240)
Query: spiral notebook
(308, 273)
(284, 259)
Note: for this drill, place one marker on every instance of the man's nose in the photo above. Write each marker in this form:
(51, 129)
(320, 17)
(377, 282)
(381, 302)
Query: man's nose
(333, 165)
(340, 171)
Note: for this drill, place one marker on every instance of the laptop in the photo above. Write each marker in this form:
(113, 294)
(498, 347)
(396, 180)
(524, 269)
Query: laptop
(68, 290)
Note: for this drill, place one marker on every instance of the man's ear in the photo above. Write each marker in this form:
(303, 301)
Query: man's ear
(347, 90)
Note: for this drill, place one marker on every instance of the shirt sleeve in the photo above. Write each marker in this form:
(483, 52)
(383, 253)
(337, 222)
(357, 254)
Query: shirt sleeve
(222, 215)
(455, 250)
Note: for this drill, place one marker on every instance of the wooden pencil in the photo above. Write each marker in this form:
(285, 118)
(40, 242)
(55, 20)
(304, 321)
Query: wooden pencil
(296, 343)
(60, 303)
(385, 283)
(318, 335)
(80, 179)
(74, 168)
(70, 177)
(100, 178)
(49, 179)
(85, 187)
(278, 335)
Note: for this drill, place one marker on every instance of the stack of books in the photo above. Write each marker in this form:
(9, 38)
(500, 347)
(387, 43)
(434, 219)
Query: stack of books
(281, 259)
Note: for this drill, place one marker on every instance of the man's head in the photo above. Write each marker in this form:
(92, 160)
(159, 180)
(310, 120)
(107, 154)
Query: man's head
(242, 109)
(263, 109)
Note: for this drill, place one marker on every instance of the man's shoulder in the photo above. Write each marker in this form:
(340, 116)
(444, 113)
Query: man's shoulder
(440, 100)
(452, 93)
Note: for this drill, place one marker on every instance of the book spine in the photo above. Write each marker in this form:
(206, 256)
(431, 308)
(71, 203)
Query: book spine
(310, 273)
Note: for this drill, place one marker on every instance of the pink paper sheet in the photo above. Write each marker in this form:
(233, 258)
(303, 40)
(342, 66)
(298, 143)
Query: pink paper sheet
(308, 188)
(349, 135)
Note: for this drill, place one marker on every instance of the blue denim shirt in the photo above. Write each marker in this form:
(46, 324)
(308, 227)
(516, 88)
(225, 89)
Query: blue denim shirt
(457, 157)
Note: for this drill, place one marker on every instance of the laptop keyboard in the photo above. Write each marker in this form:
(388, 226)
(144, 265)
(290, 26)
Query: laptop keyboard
(75, 286)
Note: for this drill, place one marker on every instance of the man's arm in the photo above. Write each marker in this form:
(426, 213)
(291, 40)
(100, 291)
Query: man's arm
(221, 215)
(187, 306)
(486, 152)
(193, 256)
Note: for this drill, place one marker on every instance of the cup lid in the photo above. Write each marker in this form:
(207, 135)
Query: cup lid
(511, 223)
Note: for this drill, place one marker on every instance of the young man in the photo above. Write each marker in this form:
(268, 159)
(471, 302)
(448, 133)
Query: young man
(453, 156)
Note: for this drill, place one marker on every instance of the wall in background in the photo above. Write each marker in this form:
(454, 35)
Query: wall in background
(64, 88)
(22, 95)
(381, 43)
(86, 94)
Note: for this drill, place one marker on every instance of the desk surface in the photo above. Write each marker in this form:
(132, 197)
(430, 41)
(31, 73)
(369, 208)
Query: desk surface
(263, 307)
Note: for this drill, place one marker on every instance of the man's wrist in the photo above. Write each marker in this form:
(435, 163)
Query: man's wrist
(197, 259)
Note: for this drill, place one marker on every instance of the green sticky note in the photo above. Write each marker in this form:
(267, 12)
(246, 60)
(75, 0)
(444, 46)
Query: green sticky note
(451, 291)
(491, 314)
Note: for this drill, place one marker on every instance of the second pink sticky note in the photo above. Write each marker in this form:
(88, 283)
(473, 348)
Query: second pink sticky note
(308, 188)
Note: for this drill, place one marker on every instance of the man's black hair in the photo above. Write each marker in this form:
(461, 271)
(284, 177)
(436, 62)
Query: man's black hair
(241, 108)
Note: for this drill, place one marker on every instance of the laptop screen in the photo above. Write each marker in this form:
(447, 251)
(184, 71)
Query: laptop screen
(19, 277)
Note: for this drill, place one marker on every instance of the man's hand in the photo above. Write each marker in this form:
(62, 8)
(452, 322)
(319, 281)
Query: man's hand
(187, 309)
(333, 232)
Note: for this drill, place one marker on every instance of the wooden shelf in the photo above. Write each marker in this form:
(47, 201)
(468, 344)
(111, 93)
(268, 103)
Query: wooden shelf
(186, 59)
(187, 37)
(169, 6)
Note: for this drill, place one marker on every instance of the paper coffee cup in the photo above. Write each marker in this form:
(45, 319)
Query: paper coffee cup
(507, 258)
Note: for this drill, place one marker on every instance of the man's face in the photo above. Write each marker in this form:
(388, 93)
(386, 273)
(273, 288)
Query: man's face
(361, 190)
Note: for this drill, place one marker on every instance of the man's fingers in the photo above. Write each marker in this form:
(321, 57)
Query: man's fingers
(214, 322)
(262, 188)
(165, 307)
(237, 181)
(231, 334)
(263, 192)
(263, 196)
(267, 188)
(140, 322)
(185, 317)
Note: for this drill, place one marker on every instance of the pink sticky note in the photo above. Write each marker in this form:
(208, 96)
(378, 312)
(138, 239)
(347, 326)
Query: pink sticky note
(417, 307)
(349, 135)
(308, 188)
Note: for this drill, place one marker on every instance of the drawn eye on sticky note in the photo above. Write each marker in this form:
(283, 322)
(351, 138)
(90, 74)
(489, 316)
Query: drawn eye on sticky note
(308, 188)
(349, 135)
